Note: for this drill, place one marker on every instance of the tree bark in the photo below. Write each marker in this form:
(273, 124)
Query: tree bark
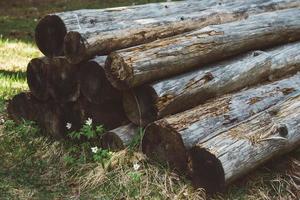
(240, 149)
(119, 138)
(51, 29)
(24, 106)
(153, 61)
(154, 101)
(63, 80)
(37, 77)
(109, 114)
(93, 82)
(168, 139)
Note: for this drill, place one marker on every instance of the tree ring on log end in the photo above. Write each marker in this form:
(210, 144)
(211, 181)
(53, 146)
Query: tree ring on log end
(112, 142)
(164, 145)
(118, 72)
(92, 78)
(139, 105)
(74, 47)
(206, 170)
(49, 35)
(37, 75)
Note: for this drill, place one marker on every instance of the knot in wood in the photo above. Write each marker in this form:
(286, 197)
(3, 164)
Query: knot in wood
(281, 129)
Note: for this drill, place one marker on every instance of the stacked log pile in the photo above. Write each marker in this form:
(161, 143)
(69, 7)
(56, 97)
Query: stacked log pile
(179, 70)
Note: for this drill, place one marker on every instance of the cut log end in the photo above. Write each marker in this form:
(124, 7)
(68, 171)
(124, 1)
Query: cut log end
(74, 47)
(206, 170)
(139, 105)
(92, 81)
(37, 79)
(162, 144)
(118, 71)
(112, 141)
(49, 35)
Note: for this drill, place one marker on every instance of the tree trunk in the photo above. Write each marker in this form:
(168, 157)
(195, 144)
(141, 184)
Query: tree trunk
(24, 106)
(134, 66)
(240, 149)
(51, 29)
(56, 117)
(166, 140)
(78, 47)
(63, 80)
(150, 102)
(93, 82)
(109, 114)
(37, 75)
(119, 138)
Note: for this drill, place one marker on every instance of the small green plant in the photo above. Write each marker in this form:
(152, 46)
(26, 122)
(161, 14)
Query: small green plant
(136, 141)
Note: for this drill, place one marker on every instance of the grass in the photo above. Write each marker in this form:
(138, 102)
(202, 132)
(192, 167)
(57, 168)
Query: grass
(34, 167)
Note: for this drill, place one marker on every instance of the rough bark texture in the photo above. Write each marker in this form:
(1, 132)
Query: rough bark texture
(37, 77)
(51, 29)
(166, 140)
(63, 80)
(109, 114)
(93, 82)
(119, 138)
(81, 47)
(137, 65)
(24, 106)
(170, 96)
(238, 150)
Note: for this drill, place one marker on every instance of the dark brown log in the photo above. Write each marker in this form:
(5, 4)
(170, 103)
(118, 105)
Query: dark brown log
(56, 117)
(119, 138)
(170, 56)
(24, 106)
(93, 82)
(37, 77)
(154, 101)
(80, 47)
(51, 29)
(238, 150)
(167, 140)
(63, 80)
(109, 114)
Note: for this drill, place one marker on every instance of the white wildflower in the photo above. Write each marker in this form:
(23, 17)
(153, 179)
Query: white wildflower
(89, 121)
(2, 121)
(69, 126)
(94, 149)
(136, 166)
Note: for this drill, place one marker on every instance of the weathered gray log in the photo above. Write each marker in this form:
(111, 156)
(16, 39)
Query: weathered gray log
(63, 80)
(37, 77)
(51, 29)
(119, 138)
(154, 101)
(109, 114)
(167, 140)
(80, 47)
(170, 56)
(94, 85)
(24, 106)
(240, 149)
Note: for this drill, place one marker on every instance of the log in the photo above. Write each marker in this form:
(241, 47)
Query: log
(154, 101)
(119, 138)
(56, 117)
(37, 75)
(109, 114)
(94, 85)
(78, 47)
(167, 140)
(170, 56)
(24, 106)
(51, 29)
(63, 80)
(231, 154)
